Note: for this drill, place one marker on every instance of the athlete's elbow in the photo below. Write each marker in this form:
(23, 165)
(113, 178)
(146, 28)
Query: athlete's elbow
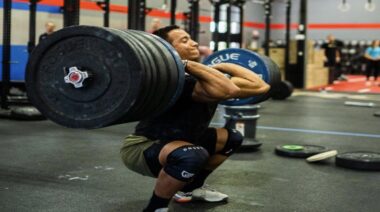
(260, 89)
(233, 91)
(265, 88)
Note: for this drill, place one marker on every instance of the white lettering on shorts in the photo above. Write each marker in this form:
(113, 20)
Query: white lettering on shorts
(186, 174)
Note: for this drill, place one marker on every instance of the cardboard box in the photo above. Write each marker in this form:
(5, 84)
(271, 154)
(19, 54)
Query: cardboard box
(278, 56)
(319, 57)
(293, 52)
(316, 76)
(310, 52)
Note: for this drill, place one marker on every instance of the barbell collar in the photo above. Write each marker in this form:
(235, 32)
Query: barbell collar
(76, 77)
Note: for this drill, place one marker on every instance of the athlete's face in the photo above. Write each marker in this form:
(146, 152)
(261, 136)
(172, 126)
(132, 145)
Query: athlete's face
(185, 46)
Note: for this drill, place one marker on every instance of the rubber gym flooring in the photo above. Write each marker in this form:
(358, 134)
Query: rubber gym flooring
(45, 167)
(354, 84)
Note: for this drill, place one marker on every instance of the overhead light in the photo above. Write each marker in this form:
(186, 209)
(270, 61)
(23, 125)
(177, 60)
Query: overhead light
(370, 6)
(344, 6)
(212, 26)
(258, 1)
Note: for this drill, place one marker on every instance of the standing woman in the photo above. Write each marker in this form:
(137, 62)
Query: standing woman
(372, 55)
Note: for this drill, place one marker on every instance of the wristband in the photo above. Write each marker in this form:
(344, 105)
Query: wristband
(184, 62)
(228, 76)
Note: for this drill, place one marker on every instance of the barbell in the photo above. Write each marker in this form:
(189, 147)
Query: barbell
(93, 77)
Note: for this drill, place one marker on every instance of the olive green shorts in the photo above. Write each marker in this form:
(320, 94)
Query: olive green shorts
(132, 154)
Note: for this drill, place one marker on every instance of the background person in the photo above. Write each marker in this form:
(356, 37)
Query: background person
(49, 29)
(332, 58)
(155, 24)
(372, 56)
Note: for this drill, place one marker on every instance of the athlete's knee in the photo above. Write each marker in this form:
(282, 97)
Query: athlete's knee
(234, 141)
(185, 162)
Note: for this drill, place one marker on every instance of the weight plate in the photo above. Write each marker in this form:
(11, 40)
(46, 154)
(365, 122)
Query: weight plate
(274, 70)
(147, 84)
(107, 95)
(249, 146)
(180, 68)
(179, 75)
(306, 151)
(26, 113)
(165, 66)
(361, 160)
(174, 69)
(246, 59)
(293, 147)
(322, 156)
(275, 79)
(154, 88)
(282, 90)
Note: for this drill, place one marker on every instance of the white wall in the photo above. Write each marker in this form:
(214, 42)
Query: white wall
(320, 11)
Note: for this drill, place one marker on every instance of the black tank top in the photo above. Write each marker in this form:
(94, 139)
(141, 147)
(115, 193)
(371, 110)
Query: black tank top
(186, 120)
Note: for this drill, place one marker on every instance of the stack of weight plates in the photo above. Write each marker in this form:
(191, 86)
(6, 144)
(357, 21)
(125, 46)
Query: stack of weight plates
(92, 77)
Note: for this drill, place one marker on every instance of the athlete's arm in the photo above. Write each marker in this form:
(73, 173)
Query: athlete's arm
(211, 84)
(250, 83)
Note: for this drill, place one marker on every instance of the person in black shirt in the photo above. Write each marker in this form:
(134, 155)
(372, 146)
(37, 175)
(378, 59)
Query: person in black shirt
(178, 147)
(49, 27)
(332, 57)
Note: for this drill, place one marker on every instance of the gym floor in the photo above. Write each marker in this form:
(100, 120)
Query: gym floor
(45, 167)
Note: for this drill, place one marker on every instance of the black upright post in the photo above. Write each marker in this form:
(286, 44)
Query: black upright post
(194, 19)
(268, 14)
(173, 9)
(105, 6)
(241, 8)
(215, 35)
(32, 25)
(7, 14)
(136, 14)
(131, 16)
(71, 12)
(301, 46)
(106, 16)
(228, 32)
(287, 37)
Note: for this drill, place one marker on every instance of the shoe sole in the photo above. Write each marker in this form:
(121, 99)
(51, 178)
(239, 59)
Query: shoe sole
(208, 200)
(200, 199)
(181, 199)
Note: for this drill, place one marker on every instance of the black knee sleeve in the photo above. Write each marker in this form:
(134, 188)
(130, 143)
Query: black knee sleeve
(208, 140)
(234, 140)
(185, 162)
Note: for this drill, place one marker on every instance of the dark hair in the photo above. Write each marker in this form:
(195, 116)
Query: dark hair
(164, 31)
(373, 43)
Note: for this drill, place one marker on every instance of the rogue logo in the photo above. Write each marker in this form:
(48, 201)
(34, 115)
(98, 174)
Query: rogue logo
(186, 174)
(252, 63)
(225, 57)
